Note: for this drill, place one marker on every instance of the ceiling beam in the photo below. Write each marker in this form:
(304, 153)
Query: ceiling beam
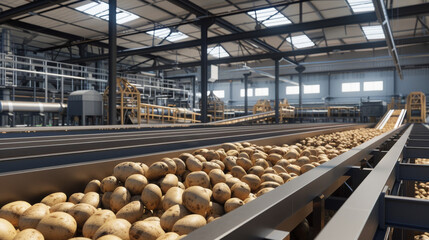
(291, 28)
(298, 52)
(26, 8)
(72, 37)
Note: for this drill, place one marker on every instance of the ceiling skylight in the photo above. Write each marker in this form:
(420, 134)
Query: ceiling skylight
(165, 33)
(269, 17)
(101, 10)
(217, 51)
(361, 5)
(373, 32)
(301, 41)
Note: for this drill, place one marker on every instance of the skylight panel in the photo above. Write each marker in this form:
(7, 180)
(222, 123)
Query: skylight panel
(101, 10)
(164, 32)
(301, 41)
(373, 32)
(217, 51)
(361, 5)
(269, 17)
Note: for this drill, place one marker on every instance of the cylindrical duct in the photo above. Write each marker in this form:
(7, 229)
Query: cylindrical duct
(20, 106)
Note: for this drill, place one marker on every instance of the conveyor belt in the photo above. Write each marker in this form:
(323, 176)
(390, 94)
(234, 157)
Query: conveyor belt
(27, 153)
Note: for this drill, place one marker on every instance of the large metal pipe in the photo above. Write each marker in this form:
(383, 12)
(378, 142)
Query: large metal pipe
(39, 107)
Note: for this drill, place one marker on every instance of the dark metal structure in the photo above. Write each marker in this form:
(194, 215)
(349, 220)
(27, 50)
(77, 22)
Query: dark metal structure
(112, 63)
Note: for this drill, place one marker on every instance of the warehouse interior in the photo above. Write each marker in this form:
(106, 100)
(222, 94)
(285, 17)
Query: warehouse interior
(205, 119)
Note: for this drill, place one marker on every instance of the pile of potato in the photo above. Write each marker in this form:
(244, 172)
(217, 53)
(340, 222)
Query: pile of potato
(174, 196)
(421, 190)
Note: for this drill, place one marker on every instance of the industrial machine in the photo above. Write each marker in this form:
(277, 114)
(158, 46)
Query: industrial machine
(215, 107)
(371, 111)
(85, 107)
(416, 107)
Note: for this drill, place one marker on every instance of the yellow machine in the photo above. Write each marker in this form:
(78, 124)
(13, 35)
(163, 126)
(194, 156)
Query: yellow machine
(262, 105)
(395, 103)
(130, 108)
(215, 107)
(416, 107)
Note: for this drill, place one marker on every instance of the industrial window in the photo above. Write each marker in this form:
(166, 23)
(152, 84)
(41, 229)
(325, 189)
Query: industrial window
(261, 92)
(311, 89)
(292, 90)
(249, 92)
(301, 41)
(219, 93)
(373, 86)
(101, 10)
(373, 32)
(217, 51)
(269, 17)
(350, 87)
(167, 34)
(361, 5)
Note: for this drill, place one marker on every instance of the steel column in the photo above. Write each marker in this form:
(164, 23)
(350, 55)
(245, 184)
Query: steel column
(276, 89)
(112, 62)
(193, 79)
(205, 24)
(300, 69)
(246, 97)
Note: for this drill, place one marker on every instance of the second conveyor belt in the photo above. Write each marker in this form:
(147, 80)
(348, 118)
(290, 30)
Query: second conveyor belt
(36, 152)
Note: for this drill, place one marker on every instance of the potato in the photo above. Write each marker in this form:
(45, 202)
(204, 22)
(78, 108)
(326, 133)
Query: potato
(257, 170)
(231, 181)
(274, 158)
(12, 211)
(131, 212)
(258, 155)
(227, 147)
(238, 172)
(157, 170)
(292, 154)
(188, 224)
(28, 234)
(168, 236)
(105, 199)
(93, 186)
(249, 199)
(109, 237)
(240, 190)
(172, 197)
(277, 150)
(61, 207)
(185, 156)
(146, 230)
(217, 176)
(76, 197)
(7, 231)
(261, 162)
(208, 166)
(245, 163)
(279, 169)
(120, 197)
(91, 198)
(283, 163)
(136, 183)
(81, 212)
(303, 160)
(54, 198)
(193, 164)
(172, 168)
(170, 217)
(169, 181)
(252, 180)
(109, 184)
(269, 184)
(243, 155)
(153, 218)
(216, 209)
(123, 170)
(151, 196)
(293, 169)
(32, 216)
(95, 221)
(263, 191)
(230, 162)
(306, 167)
(285, 177)
(117, 227)
(196, 200)
(57, 226)
(180, 166)
(80, 238)
(232, 204)
(272, 177)
(198, 178)
(221, 192)
(222, 154)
